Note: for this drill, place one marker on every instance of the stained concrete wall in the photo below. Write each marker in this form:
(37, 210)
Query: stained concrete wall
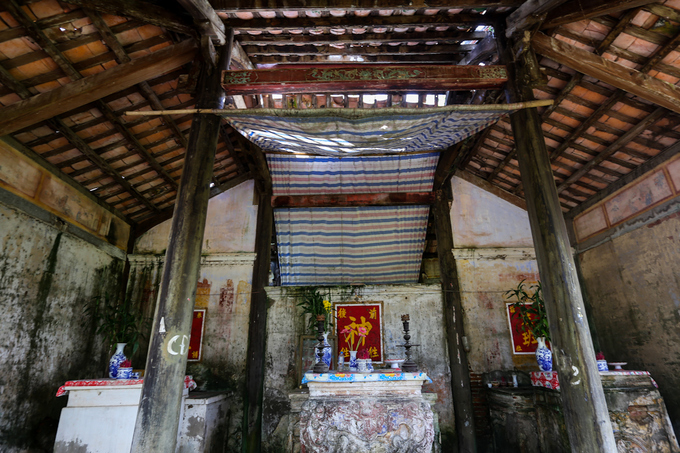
(285, 324)
(493, 253)
(224, 290)
(633, 287)
(46, 279)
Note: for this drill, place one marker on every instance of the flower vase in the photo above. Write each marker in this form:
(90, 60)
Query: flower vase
(326, 351)
(116, 359)
(352, 360)
(543, 355)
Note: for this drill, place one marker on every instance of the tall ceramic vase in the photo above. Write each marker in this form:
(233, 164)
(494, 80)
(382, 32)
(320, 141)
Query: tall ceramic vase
(116, 359)
(326, 351)
(353, 360)
(543, 355)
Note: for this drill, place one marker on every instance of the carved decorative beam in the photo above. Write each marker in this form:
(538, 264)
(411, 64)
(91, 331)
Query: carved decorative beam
(363, 78)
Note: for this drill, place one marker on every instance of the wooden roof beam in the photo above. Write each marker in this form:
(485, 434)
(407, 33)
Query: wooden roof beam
(366, 38)
(575, 10)
(627, 79)
(352, 200)
(65, 98)
(206, 19)
(364, 78)
(530, 13)
(143, 11)
(282, 51)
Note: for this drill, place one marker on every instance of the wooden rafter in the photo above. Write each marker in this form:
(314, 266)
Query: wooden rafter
(575, 10)
(60, 100)
(142, 11)
(530, 13)
(284, 51)
(207, 19)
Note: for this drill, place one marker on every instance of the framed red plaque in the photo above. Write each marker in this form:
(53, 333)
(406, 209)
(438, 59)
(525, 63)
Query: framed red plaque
(196, 342)
(522, 342)
(359, 326)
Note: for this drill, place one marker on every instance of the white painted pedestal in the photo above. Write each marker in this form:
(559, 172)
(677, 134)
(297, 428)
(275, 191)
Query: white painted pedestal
(102, 420)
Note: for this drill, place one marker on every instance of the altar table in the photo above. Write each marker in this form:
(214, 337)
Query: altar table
(364, 412)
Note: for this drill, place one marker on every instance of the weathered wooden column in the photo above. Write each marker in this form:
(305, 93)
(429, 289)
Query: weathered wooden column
(460, 375)
(585, 409)
(159, 408)
(257, 328)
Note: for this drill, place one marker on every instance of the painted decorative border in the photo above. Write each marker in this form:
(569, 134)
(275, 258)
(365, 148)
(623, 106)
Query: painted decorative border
(495, 253)
(363, 377)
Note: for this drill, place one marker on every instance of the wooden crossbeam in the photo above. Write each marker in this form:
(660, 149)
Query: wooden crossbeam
(281, 51)
(627, 79)
(364, 78)
(358, 22)
(366, 38)
(359, 199)
(60, 100)
(312, 61)
(575, 10)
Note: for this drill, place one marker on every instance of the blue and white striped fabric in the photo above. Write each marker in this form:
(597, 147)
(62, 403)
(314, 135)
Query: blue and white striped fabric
(340, 246)
(338, 132)
(304, 175)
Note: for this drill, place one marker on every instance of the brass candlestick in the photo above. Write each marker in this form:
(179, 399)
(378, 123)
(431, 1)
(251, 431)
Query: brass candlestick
(320, 366)
(408, 366)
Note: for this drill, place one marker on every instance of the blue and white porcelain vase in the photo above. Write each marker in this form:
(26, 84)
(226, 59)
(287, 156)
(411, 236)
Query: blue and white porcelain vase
(116, 359)
(353, 360)
(326, 351)
(543, 355)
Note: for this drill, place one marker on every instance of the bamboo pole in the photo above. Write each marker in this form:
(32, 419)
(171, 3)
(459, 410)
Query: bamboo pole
(312, 112)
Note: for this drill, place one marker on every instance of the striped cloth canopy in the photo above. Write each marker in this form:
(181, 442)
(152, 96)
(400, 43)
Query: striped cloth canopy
(341, 132)
(370, 245)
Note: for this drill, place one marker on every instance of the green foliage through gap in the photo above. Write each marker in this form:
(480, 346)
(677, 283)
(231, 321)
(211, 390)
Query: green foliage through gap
(530, 307)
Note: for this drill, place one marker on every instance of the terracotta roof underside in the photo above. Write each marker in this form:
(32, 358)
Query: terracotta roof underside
(134, 164)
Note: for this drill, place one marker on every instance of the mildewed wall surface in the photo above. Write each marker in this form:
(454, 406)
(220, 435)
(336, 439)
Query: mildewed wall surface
(47, 277)
(633, 285)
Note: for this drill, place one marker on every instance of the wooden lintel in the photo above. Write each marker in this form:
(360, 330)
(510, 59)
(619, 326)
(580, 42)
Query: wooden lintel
(60, 100)
(364, 78)
(575, 10)
(354, 200)
(627, 79)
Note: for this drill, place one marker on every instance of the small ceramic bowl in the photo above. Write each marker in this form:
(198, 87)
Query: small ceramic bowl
(394, 363)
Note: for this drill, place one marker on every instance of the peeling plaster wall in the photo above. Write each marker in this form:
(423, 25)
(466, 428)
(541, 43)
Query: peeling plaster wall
(46, 278)
(224, 290)
(285, 324)
(493, 253)
(633, 286)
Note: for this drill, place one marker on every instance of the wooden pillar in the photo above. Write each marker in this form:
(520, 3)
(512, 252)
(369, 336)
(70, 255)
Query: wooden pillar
(453, 312)
(257, 329)
(585, 409)
(159, 408)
